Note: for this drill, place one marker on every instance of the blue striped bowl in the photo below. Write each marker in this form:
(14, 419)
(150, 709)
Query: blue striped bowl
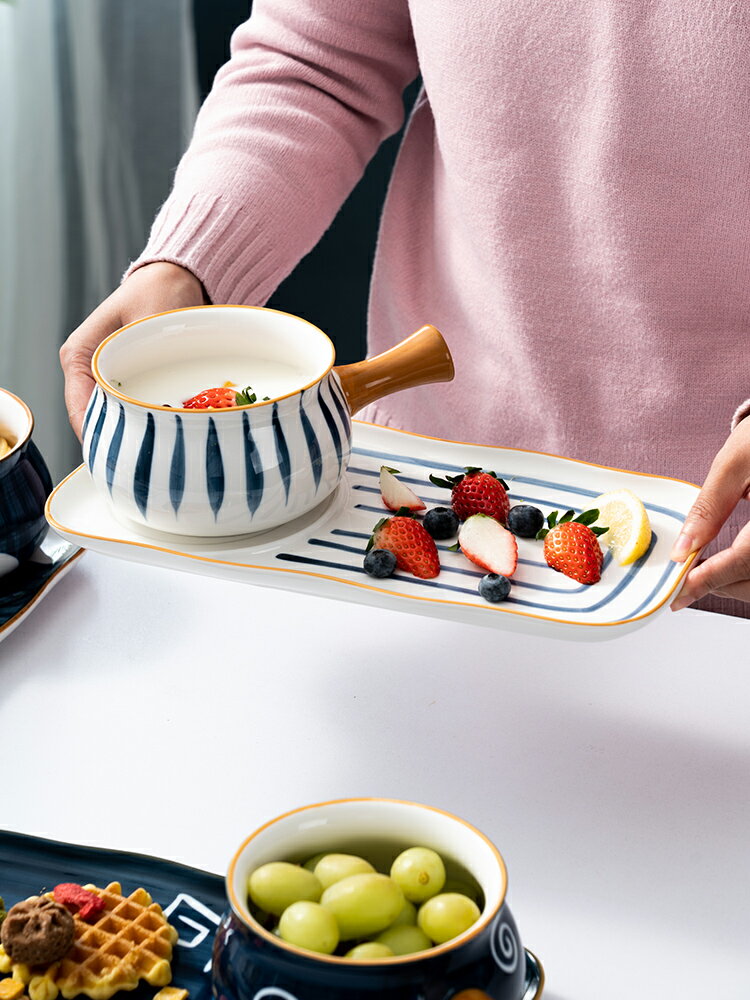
(228, 472)
(25, 485)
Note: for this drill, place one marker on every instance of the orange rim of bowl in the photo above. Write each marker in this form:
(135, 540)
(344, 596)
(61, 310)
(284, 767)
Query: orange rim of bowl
(241, 910)
(108, 387)
(27, 436)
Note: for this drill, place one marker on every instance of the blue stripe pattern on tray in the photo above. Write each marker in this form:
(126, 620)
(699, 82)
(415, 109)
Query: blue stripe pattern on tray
(536, 588)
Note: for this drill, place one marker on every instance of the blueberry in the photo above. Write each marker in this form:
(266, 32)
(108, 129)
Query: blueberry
(380, 563)
(441, 522)
(525, 520)
(494, 588)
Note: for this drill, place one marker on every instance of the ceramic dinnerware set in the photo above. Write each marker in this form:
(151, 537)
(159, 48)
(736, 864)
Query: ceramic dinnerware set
(219, 473)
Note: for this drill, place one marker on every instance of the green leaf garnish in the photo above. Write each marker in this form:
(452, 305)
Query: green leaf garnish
(446, 484)
(567, 516)
(245, 397)
(393, 472)
(588, 517)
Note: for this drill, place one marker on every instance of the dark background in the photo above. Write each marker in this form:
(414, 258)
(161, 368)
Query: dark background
(330, 286)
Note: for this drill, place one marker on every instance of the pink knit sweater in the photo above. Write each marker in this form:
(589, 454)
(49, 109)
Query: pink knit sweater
(570, 206)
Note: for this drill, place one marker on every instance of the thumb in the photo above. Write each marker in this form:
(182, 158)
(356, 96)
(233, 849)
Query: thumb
(724, 487)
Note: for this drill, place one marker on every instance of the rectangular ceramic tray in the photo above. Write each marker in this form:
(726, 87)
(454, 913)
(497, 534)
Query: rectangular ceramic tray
(322, 552)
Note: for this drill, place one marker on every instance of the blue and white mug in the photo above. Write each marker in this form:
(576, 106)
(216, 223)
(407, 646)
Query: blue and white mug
(25, 485)
(244, 469)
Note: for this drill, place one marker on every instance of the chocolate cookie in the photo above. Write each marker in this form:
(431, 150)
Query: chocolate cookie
(37, 931)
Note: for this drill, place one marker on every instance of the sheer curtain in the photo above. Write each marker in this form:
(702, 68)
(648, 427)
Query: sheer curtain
(97, 101)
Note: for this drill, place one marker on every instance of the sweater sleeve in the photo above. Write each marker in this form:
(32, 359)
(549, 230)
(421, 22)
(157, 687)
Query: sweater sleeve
(310, 91)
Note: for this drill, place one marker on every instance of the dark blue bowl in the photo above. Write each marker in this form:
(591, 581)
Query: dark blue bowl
(488, 961)
(25, 485)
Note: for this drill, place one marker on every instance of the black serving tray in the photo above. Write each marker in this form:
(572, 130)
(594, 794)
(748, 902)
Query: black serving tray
(192, 900)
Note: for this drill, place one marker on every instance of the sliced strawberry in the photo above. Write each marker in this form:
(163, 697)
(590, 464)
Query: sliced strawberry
(411, 544)
(488, 544)
(397, 495)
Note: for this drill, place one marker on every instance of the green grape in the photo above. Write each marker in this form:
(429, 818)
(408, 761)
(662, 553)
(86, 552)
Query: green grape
(363, 904)
(447, 915)
(312, 862)
(404, 939)
(333, 867)
(278, 884)
(370, 949)
(309, 925)
(408, 915)
(420, 872)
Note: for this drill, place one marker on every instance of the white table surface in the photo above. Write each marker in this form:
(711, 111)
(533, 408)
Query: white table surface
(170, 714)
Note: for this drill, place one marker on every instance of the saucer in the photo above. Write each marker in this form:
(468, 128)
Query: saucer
(533, 986)
(22, 589)
(322, 552)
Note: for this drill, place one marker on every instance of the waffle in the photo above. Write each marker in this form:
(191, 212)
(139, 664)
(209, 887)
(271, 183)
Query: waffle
(130, 940)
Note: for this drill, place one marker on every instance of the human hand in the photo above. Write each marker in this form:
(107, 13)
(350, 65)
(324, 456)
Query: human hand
(150, 289)
(727, 573)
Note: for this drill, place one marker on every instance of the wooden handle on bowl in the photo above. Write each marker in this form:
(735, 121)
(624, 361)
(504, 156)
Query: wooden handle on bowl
(420, 359)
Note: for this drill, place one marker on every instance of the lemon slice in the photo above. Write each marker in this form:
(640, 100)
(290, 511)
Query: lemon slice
(629, 532)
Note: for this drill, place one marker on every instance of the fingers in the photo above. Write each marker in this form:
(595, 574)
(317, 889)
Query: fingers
(151, 289)
(75, 358)
(727, 574)
(727, 482)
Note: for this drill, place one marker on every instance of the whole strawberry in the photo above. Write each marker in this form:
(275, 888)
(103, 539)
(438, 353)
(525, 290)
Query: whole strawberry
(572, 547)
(220, 398)
(410, 542)
(477, 492)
